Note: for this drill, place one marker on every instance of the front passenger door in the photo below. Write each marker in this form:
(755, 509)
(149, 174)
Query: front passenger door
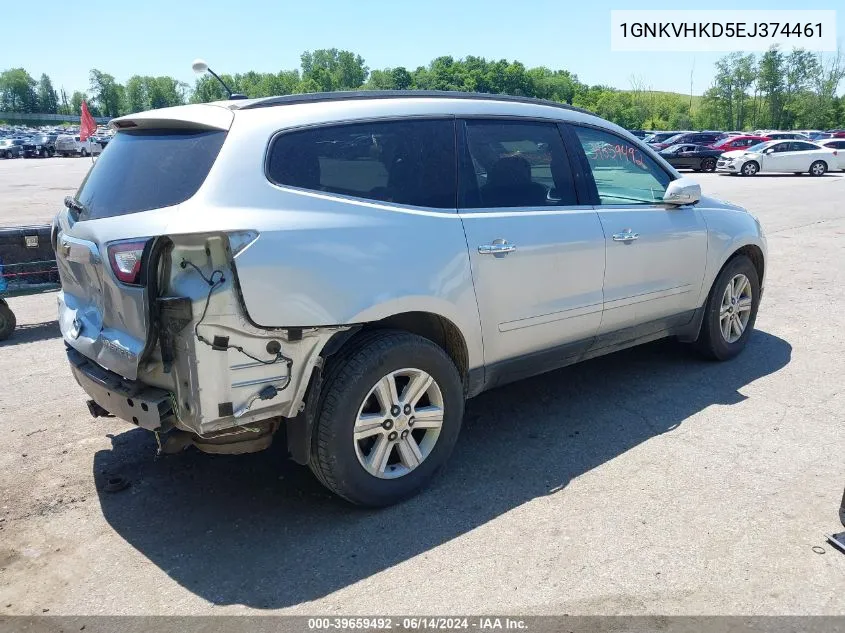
(537, 254)
(777, 157)
(655, 252)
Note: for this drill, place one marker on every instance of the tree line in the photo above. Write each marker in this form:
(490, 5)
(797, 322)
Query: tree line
(773, 90)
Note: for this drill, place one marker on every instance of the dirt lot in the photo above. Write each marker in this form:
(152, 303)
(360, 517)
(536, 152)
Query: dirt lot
(644, 482)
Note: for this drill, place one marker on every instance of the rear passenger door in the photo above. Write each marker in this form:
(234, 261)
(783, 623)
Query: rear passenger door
(686, 158)
(537, 254)
(655, 252)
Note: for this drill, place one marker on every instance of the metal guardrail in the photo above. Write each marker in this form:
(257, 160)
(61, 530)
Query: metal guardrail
(35, 116)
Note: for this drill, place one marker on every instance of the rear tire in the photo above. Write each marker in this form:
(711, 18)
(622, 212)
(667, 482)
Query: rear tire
(344, 449)
(7, 321)
(712, 341)
(818, 168)
(9, 154)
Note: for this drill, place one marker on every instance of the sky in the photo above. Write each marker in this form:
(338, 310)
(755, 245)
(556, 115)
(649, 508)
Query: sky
(163, 37)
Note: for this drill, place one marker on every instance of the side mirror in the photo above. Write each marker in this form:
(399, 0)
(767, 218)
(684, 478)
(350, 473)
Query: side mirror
(682, 191)
(769, 150)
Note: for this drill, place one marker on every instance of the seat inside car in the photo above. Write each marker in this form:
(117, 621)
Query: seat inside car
(509, 184)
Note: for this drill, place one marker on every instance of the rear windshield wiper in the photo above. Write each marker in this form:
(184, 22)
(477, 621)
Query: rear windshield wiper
(75, 205)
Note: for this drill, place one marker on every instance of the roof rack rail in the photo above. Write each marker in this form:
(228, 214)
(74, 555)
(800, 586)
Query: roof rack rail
(351, 95)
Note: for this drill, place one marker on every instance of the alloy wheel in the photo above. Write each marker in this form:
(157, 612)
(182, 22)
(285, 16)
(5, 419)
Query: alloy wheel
(735, 309)
(398, 423)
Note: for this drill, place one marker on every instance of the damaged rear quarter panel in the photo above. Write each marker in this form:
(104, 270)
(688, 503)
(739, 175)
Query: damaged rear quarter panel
(221, 359)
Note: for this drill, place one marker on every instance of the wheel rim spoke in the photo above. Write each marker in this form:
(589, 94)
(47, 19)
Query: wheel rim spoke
(726, 327)
(367, 425)
(744, 304)
(377, 461)
(428, 418)
(409, 452)
(416, 388)
(385, 392)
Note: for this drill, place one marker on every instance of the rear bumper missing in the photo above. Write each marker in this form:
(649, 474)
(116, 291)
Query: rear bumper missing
(148, 407)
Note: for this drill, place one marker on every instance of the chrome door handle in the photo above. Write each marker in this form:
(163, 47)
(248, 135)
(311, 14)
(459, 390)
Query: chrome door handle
(496, 248)
(626, 236)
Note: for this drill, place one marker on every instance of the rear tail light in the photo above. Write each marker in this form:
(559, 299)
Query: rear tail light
(125, 259)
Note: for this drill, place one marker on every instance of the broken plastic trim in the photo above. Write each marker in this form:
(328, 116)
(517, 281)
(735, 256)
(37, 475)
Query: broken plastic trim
(239, 241)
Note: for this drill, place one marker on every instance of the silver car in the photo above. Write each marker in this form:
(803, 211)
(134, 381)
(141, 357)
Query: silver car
(354, 266)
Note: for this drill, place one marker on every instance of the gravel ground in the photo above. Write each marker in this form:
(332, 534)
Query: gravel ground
(644, 482)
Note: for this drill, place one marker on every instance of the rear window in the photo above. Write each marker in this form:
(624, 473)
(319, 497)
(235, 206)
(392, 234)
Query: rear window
(409, 162)
(148, 169)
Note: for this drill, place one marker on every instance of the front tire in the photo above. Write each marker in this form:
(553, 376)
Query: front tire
(730, 311)
(708, 164)
(750, 168)
(83, 152)
(389, 416)
(818, 168)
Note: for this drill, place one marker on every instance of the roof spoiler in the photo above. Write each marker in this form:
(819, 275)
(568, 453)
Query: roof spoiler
(199, 116)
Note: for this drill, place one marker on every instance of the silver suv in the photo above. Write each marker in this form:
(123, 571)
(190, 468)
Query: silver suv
(352, 267)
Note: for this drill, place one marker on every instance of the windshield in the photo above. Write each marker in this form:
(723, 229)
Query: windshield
(148, 169)
(670, 139)
(759, 147)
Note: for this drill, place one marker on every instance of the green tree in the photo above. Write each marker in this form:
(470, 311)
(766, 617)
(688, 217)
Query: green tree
(76, 102)
(402, 79)
(334, 69)
(17, 91)
(48, 100)
(770, 79)
(107, 94)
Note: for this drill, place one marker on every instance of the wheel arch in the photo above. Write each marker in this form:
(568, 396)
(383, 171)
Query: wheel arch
(755, 253)
(435, 327)
(429, 325)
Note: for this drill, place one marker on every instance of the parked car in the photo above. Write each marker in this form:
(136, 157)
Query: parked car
(659, 137)
(738, 142)
(45, 144)
(67, 145)
(780, 156)
(782, 136)
(695, 138)
(837, 144)
(357, 298)
(12, 147)
(689, 156)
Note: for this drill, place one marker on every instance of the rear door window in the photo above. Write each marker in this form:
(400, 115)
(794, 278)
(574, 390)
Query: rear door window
(515, 164)
(148, 169)
(408, 162)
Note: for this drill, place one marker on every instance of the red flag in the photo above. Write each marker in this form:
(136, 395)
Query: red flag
(87, 124)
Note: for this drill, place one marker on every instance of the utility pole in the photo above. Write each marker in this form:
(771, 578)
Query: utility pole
(691, 73)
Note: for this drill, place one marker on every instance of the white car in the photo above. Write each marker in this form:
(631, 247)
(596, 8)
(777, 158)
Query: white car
(67, 145)
(837, 144)
(780, 156)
